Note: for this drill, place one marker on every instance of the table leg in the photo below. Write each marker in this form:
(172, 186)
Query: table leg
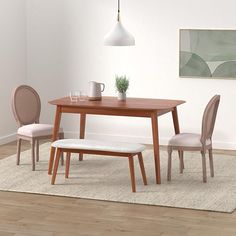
(82, 131)
(54, 137)
(175, 120)
(156, 147)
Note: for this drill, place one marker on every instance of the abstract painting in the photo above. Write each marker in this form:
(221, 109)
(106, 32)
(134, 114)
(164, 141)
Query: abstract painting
(207, 53)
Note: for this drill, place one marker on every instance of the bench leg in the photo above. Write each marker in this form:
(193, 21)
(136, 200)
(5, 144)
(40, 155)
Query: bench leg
(56, 166)
(141, 164)
(68, 154)
(132, 175)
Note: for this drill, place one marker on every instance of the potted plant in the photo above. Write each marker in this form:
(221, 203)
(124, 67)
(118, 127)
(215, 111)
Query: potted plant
(122, 85)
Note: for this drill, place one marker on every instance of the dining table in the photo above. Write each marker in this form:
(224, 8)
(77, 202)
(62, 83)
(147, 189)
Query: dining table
(111, 106)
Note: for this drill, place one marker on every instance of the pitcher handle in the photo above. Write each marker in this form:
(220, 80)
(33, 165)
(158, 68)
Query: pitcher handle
(103, 87)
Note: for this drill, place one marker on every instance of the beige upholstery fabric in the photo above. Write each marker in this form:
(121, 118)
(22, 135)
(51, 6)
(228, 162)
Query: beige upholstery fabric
(88, 144)
(187, 140)
(36, 130)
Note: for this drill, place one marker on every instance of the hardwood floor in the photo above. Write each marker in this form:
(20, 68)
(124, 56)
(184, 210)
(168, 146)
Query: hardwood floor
(30, 214)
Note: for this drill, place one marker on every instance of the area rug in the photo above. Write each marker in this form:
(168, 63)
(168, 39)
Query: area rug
(107, 178)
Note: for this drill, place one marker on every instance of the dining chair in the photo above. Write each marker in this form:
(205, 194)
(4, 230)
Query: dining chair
(196, 142)
(26, 107)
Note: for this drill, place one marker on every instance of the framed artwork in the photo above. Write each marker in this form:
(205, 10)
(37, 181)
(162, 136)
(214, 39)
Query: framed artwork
(207, 53)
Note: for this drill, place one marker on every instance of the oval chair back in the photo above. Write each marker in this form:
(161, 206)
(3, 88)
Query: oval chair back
(209, 117)
(26, 105)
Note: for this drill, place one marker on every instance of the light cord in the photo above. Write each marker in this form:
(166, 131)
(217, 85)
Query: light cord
(118, 16)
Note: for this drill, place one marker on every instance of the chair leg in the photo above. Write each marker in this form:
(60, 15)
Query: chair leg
(181, 161)
(182, 158)
(204, 167)
(18, 151)
(211, 162)
(142, 168)
(37, 150)
(62, 158)
(61, 136)
(169, 150)
(33, 154)
(132, 175)
(68, 154)
(56, 166)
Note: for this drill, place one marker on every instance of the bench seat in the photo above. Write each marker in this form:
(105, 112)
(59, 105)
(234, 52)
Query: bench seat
(98, 145)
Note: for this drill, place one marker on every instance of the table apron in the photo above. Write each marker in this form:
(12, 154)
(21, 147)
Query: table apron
(114, 112)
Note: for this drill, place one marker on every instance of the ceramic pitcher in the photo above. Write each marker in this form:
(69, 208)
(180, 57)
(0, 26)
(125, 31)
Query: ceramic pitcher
(95, 90)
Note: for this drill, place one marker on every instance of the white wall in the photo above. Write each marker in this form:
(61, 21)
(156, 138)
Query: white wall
(12, 60)
(65, 51)
(48, 51)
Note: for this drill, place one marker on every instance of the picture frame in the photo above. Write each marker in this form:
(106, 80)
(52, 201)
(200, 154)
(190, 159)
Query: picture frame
(207, 53)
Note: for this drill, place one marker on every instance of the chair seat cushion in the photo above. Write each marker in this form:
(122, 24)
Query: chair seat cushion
(36, 130)
(97, 145)
(187, 140)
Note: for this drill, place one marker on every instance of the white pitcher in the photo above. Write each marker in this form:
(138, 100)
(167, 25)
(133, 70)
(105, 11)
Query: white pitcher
(95, 90)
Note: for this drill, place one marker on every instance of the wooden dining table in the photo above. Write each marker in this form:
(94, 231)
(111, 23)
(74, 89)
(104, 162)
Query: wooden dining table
(111, 106)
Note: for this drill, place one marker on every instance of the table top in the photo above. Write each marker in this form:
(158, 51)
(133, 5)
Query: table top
(114, 103)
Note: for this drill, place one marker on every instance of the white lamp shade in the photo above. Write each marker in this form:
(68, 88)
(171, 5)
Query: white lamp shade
(119, 36)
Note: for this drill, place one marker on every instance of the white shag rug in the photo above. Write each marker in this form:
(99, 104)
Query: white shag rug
(107, 178)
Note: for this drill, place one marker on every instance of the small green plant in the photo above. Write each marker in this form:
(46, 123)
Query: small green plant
(122, 84)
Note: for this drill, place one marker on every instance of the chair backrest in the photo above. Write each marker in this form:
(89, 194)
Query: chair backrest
(209, 118)
(26, 105)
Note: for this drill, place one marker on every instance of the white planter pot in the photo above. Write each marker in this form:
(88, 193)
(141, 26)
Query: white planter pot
(122, 96)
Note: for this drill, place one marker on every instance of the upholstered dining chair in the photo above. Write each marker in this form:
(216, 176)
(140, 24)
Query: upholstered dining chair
(26, 107)
(196, 142)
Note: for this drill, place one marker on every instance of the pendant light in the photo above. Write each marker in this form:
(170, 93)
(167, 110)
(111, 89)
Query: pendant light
(119, 36)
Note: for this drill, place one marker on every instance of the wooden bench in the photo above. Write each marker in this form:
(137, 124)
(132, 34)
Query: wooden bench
(96, 147)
